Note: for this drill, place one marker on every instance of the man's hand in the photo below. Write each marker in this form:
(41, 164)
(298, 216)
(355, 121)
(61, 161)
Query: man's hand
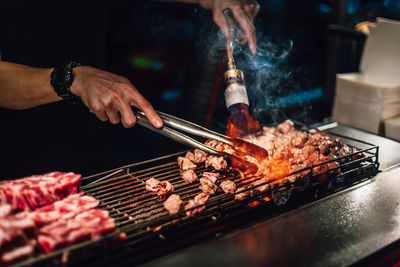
(244, 12)
(110, 96)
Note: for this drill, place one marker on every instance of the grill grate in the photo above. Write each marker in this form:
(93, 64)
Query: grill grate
(140, 214)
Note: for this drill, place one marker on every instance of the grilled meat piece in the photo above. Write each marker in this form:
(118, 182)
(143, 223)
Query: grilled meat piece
(261, 188)
(207, 186)
(185, 164)
(173, 204)
(199, 156)
(212, 176)
(200, 199)
(189, 176)
(190, 156)
(189, 205)
(228, 186)
(165, 188)
(286, 126)
(152, 184)
(245, 194)
(217, 163)
(162, 189)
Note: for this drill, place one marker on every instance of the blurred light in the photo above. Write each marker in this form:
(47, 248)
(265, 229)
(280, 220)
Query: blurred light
(324, 8)
(301, 97)
(353, 6)
(171, 95)
(145, 63)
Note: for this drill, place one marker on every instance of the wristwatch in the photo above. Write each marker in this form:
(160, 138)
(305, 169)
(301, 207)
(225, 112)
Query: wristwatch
(61, 79)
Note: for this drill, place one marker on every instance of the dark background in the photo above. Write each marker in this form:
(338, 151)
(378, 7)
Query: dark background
(171, 53)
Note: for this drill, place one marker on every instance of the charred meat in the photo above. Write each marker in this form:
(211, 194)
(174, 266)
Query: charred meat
(186, 164)
(152, 185)
(163, 188)
(173, 204)
(261, 185)
(217, 163)
(243, 193)
(199, 156)
(228, 186)
(212, 176)
(207, 186)
(189, 176)
(200, 199)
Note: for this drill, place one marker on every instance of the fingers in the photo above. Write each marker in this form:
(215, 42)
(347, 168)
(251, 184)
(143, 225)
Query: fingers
(220, 20)
(141, 103)
(113, 116)
(127, 117)
(247, 27)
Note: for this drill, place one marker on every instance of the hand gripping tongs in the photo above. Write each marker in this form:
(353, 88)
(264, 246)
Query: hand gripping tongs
(240, 147)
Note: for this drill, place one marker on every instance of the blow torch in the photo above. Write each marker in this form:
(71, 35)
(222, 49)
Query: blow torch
(240, 122)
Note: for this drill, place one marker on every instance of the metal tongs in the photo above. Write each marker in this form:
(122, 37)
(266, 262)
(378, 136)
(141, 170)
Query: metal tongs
(241, 147)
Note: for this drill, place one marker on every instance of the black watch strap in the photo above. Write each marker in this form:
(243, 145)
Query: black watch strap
(61, 79)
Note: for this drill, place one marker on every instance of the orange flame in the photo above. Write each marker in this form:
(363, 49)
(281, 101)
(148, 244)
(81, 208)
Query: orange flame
(272, 167)
(244, 123)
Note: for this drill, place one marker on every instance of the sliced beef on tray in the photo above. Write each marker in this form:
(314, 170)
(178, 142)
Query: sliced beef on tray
(16, 238)
(89, 224)
(64, 209)
(39, 190)
(173, 204)
(5, 210)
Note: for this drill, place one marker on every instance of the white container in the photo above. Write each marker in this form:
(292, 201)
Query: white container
(365, 99)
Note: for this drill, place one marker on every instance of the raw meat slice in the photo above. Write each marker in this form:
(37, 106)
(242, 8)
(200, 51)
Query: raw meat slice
(64, 209)
(89, 224)
(39, 190)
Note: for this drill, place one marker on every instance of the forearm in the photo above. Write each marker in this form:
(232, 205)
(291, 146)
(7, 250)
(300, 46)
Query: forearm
(24, 87)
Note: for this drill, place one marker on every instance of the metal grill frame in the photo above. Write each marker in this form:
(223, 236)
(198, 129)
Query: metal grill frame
(219, 208)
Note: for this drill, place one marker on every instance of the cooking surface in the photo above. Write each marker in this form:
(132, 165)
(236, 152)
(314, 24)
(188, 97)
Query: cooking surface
(338, 230)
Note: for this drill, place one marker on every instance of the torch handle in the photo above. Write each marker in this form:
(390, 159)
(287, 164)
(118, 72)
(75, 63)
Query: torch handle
(231, 36)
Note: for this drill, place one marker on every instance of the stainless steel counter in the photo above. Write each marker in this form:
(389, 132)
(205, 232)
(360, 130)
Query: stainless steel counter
(335, 231)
